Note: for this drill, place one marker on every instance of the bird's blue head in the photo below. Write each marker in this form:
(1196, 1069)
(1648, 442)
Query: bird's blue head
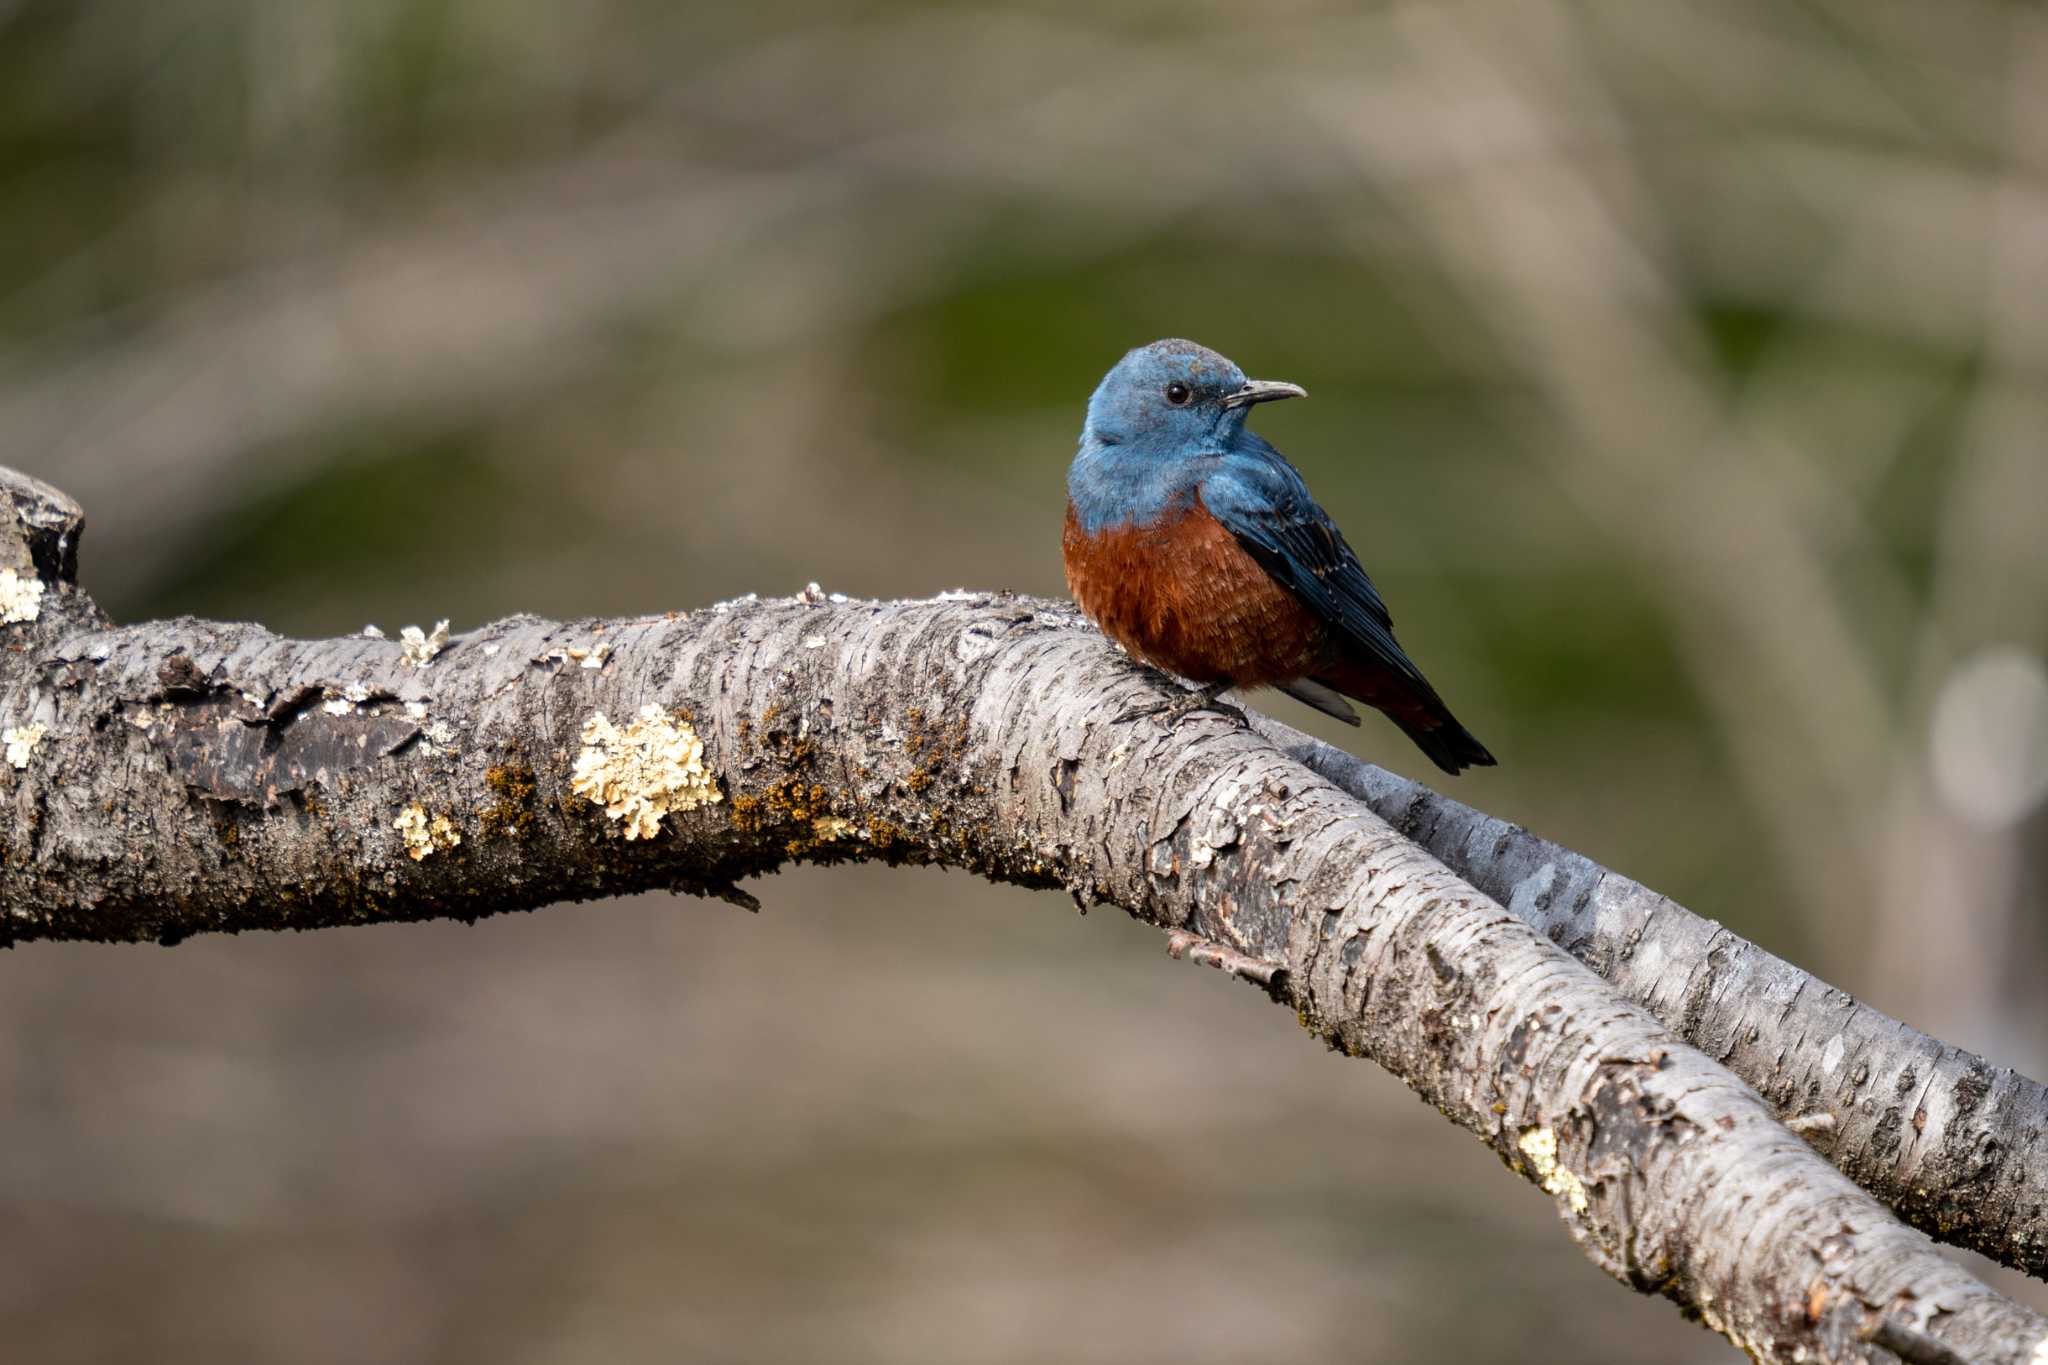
(1151, 419)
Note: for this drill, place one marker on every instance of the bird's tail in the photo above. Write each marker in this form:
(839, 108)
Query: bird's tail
(1448, 744)
(1419, 712)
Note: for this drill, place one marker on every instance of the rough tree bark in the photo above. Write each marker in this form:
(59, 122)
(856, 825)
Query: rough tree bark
(182, 776)
(1958, 1147)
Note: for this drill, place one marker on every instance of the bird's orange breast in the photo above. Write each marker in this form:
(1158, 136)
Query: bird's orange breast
(1183, 595)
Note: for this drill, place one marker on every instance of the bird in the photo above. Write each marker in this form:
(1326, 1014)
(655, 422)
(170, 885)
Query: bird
(1195, 545)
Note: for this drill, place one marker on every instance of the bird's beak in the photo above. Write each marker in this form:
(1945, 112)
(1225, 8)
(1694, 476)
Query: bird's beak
(1263, 391)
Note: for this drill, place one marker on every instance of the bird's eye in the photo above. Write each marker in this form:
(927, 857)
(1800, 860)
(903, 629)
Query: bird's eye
(1178, 394)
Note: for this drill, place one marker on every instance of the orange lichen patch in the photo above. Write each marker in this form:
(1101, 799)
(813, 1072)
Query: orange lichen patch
(790, 801)
(1183, 595)
(514, 785)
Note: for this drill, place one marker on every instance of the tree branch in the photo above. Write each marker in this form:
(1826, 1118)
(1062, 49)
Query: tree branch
(1956, 1146)
(183, 776)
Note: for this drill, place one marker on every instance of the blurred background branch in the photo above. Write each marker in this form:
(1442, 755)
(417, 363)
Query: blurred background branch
(1677, 372)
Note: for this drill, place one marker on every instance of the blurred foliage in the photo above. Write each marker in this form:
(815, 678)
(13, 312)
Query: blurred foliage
(1677, 371)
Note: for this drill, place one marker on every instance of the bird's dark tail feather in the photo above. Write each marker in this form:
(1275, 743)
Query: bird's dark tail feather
(1413, 705)
(1448, 744)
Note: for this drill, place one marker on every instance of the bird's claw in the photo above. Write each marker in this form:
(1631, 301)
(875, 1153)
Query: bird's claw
(1174, 712)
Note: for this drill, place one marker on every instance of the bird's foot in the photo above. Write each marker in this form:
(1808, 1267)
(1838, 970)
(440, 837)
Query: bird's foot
(1173, 713)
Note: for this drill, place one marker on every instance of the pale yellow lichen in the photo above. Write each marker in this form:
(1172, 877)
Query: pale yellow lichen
(419, 647)
(21, 599)
(425, 834)
(833, 827)
(641, 771)
(1540, 1146)
(22, 740)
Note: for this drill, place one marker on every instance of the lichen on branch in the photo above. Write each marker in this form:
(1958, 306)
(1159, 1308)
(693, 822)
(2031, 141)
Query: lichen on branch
(194, 776)
(642, 770)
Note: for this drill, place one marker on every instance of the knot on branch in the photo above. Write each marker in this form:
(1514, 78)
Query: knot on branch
(40, 540)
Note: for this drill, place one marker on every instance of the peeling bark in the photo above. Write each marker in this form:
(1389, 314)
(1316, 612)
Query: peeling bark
(188, 776)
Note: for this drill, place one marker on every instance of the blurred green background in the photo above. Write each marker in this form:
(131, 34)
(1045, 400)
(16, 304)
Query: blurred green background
(1677, 371)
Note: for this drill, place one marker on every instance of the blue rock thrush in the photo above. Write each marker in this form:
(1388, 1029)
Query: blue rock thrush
(1196, 546)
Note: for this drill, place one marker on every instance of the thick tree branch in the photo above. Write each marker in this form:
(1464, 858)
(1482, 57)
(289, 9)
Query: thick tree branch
(181, 776)
(1958, 1147)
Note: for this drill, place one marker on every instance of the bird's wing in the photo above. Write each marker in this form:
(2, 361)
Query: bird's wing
(1261, 500)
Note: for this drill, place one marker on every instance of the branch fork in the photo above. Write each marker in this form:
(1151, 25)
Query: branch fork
(191, 777)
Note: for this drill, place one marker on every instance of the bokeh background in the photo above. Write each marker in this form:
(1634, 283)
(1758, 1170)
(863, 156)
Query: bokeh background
(1678, 371)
